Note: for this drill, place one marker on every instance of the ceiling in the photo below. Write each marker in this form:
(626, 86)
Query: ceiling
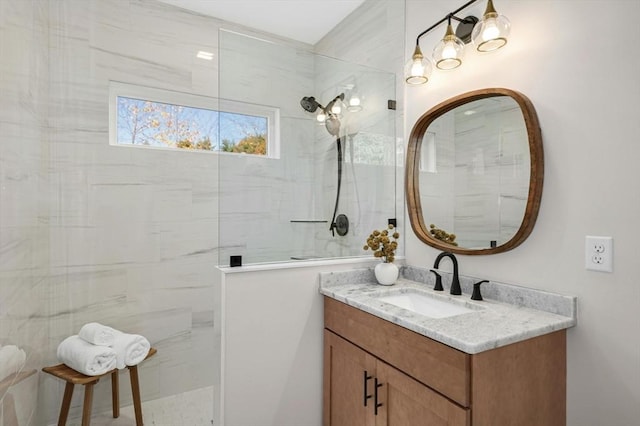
(303, 20)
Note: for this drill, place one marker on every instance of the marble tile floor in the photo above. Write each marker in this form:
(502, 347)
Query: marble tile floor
(193, 408)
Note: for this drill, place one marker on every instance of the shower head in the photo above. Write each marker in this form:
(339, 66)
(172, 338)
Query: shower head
(330, 118)
(310, 104)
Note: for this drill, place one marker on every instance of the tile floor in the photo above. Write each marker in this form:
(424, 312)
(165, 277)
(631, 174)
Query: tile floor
(194, 408)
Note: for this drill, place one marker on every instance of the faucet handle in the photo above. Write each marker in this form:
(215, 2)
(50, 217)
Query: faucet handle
(438, 286)
(476, 290)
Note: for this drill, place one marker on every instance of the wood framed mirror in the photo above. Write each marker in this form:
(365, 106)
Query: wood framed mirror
(474, 173)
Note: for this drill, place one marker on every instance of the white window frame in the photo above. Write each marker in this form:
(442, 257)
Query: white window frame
(118, 89)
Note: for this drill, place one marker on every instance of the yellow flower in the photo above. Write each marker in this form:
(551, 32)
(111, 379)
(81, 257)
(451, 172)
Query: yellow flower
(382, 245)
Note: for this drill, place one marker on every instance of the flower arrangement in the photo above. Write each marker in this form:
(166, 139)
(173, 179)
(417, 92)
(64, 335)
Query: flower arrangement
(382, 244)
(442, 235)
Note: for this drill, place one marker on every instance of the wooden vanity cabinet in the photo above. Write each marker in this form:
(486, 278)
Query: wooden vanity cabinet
(362, 390)
(421, 382)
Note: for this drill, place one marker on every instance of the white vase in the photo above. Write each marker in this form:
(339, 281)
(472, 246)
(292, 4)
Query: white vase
(386, 273)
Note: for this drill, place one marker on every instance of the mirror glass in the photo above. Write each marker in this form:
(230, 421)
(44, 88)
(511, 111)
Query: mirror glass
(476, 172)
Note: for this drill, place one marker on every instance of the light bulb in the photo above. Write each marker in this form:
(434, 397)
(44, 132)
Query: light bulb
(321, 117)
(492, 31)
(417, 69)
(448, 53)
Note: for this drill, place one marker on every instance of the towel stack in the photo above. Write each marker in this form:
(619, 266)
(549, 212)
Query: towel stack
(12, 360)
(97, 349)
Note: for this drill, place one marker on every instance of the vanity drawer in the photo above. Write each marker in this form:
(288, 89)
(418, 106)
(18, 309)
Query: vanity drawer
(438, 366)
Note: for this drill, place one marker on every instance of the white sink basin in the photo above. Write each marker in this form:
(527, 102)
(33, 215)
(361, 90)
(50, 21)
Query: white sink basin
(425, 305)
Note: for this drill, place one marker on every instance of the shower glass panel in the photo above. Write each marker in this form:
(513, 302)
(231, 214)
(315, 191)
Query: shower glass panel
(280, 206)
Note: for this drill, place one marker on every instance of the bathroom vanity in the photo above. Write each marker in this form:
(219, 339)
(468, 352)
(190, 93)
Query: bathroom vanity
(497, 364)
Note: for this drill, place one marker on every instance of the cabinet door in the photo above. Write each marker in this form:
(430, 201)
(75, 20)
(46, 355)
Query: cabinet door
(407, 402)
(348, 373)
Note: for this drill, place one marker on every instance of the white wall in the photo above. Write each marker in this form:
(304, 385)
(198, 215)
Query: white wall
(579, 64)
(272, 344)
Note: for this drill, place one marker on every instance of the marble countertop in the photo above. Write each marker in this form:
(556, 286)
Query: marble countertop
(511, 315)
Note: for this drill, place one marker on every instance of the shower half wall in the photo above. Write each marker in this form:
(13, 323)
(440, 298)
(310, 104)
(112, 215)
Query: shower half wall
(279, 207)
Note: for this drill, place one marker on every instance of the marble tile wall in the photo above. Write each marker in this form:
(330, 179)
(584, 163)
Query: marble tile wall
(437, 193)
(125, 236)
(368, 183)
(133, 232)
(302, 183)
(373, 36)
(24, 235)
(491, 180)
(260, 196)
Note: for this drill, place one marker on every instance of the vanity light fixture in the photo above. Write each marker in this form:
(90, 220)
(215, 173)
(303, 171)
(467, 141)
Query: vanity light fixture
(487, 35)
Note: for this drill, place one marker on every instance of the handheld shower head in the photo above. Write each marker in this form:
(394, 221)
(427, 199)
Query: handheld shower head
(309, 104)
(332, 124)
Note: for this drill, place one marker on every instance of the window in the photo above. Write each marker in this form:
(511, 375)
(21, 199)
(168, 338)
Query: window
(146, 117)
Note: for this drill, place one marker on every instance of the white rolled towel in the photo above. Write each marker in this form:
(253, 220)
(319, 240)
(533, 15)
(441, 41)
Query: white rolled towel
(131, 349)
(89, 359)
(12, 360)
(97, 334)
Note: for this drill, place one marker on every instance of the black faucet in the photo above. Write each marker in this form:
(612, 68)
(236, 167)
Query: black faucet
(476, 290)
(455, 282)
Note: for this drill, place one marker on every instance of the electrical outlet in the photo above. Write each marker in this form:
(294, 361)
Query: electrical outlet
(598, 253)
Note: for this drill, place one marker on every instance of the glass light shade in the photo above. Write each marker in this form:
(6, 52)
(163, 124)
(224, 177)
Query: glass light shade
(492, 31)
(448, 53)
(418, 68)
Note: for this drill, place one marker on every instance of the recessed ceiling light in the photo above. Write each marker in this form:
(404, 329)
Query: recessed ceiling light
(205, 55)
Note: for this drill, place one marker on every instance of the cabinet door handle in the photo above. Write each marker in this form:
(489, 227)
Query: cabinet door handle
(377, 404)
(367, 377)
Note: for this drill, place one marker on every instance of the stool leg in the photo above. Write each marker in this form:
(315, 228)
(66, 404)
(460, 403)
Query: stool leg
(135, 390)
(88, 400)
(66, 403)
(9, 411)
(115, 400)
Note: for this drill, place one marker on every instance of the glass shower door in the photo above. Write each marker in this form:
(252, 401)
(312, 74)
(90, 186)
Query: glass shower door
(327, 178)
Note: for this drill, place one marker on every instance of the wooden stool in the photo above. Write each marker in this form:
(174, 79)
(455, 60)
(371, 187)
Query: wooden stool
(72, 377)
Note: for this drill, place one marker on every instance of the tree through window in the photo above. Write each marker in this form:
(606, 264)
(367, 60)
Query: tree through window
(238, 128)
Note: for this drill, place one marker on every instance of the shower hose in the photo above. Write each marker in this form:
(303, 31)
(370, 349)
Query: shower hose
(335, 208)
